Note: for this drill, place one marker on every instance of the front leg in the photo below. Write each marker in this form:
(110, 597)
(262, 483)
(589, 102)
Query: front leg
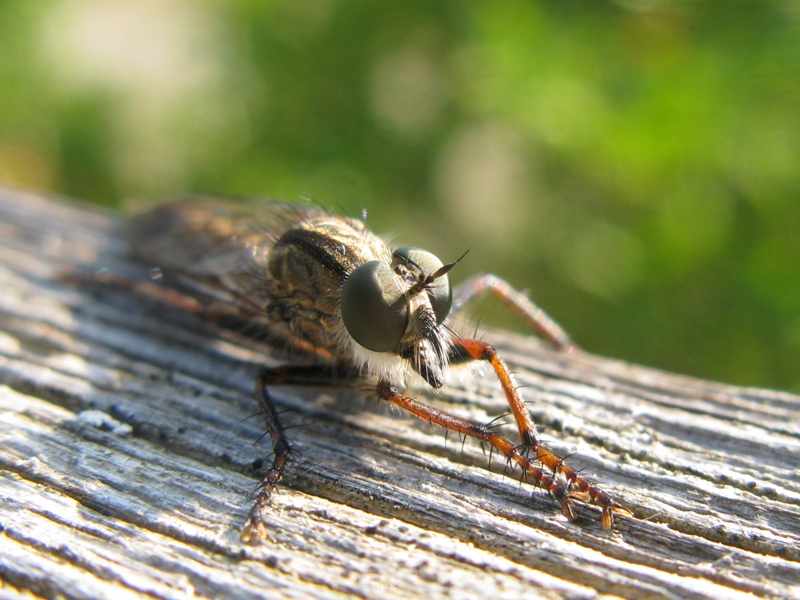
(464, 349)
(485, 434)
(477, 286)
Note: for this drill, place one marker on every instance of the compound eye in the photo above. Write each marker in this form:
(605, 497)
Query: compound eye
(374, 307)
(439, 290)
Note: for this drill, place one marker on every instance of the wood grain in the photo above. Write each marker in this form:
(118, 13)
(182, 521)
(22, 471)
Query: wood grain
(128, 449)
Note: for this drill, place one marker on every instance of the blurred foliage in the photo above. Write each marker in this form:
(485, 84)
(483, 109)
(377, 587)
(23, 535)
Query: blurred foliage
(635, 164)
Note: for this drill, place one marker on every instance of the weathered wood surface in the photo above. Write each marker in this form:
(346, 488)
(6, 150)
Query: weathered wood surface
(127, 445)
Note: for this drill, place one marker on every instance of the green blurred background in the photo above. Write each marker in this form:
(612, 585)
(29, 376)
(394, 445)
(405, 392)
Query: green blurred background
(636, 165)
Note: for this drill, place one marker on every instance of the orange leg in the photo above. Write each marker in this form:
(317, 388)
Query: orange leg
(480, 432)
(477, 286)
(563, 482)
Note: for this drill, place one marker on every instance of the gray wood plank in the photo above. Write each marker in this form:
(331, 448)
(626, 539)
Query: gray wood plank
(127, 450)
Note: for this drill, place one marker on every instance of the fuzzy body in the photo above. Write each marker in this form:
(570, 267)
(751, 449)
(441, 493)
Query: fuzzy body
(285, 265)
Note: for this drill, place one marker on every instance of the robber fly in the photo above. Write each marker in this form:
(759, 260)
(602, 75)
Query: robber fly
(328, 287)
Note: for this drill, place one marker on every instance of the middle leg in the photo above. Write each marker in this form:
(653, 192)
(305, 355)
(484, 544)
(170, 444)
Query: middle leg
(255, 528)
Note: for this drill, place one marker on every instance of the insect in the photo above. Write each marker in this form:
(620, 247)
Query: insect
(331, 289)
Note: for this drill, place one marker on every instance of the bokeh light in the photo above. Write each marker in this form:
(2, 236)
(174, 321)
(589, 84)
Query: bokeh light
(634, 164)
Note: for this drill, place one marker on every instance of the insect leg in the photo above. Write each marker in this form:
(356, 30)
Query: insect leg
(255, 528)
(214, 310)
(477, 286)
(575, 486)
(483, 433)
(237, 315)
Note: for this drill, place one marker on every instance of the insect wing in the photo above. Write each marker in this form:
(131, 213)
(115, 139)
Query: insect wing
(216, 247)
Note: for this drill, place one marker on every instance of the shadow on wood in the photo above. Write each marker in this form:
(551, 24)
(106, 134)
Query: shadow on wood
(128, 461)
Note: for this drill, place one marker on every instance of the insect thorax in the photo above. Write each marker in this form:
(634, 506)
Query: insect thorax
(306, 270)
